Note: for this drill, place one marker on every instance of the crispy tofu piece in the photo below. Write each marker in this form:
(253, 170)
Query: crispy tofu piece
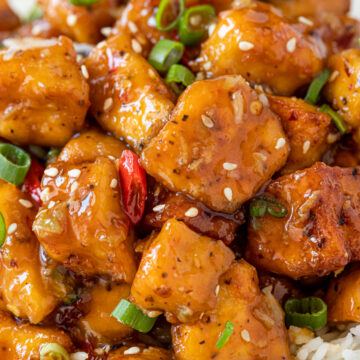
(321, 232)
(43, 95)
(179, 273)
(8, 19)
(82, 224)
(220, 146)
(89, 145)
(259, 329)
(262, 46)
(24, 341)
(342, 92)
(141, 353)
(310, 131)
(22, 287)
(128, 97)
(80, 23)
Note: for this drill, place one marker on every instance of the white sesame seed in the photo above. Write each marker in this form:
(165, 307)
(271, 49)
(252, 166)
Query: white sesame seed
(228, 193)
(291, 45)
(71, 20)
(136, 46)
(74, 186)
(26, 203)
(51, 204)
(260, 156)
(113, 183)
(229, 166)
(238, 104)
(207, 66)
(211, 29)
(306, 146)
(159, 208)
(12, 228)
(195, 20)
(108, 104)
(245, 335)
(207, 121)
(106, 31)
(197, 263)
(245, 45)
(280, 143)
(217, 290)
(84, 71)
(52, 172)
(80, 355)
(305, 20)
(74, 173)
(331, 138)
(131, 351)
(44, 195)
(192, 212)
(36, 30)
(111, 157)
(334, 75)
(264, 99)
(132, 27)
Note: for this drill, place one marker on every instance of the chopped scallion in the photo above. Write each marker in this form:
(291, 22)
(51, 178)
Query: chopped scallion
(169, 14)
(229, 328)
(166, 53)
(313, 93)
(180, 74)
(2, 230)
(53, 351)
(338, 121)
(83, 2)
(261, 205)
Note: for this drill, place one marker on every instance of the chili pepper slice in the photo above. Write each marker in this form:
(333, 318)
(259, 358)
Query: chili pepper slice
(33, 180)
(133, 183)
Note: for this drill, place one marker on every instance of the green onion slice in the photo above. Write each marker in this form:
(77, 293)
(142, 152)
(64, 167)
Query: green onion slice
(313, 93)
(35, 13)
(83, 2)
(169, 14)
(261, 205)
(308, 313)
(193, 25)
(180, 74)
(338, 121)
(53, 351)
(14, 163)
(166, 53)
(130, 315)
(229, 328)
(2, 230)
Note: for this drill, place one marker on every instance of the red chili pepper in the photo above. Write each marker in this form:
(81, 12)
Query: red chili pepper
(133, 183)
(33, 180)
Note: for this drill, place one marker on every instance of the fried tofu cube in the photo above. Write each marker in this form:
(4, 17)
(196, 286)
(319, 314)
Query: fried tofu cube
(43, 95)
(310, 131)
(262, 46)
(179, 273)
(220, 146)
(22, 287)
(82, 224)
(128, 97)
(140, 353)
(321, 231)
(259, 330)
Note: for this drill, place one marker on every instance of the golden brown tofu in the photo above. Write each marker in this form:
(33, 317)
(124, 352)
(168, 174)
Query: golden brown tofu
(43, 95)
(89, 145)
(80, 23)
(342, 92)
(24, 341)
(262, 46)
(310, 131)
(140, 353)
(220, 146)
(179, 273)
(321, 231)
(82, 224)
(8, 19)
(259, 330)
(128, 97)
(23, 289)
(343, 297)
(98, 325)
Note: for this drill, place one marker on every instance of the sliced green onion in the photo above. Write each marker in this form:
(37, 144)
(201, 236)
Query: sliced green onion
(259, 206)
(180, 74)
(83, 2)
(52, 155)
(194, 22)
(14, 163)
(313, 93)
(35, 13)
(130, 315)
(338, 121)
(53, 351)
(166, 53)
(169, 14)
(229, 328)
(308, 313)
(2, 230)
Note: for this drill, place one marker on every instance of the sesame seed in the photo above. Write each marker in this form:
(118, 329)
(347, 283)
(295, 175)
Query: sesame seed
(238, 104)
(245, 45)
(291, 45)
(52, 172)
(264, 99)
(26, 203)
(305, 20)
(195, 20)
(211, 29)
(228, 193)
(71, 20)
(306, 146)
(132, 27)
(44, 195)
(207, 121)
(80, 355)
(260, 156)
(111, 157)
(136, 46)
(106, 31)
(197, 263)
(159, 208)
(192, 212)
(207, 66)
(131, 351)
(217, 290)
(74, 173)
(108, 104)
(36, 30)
(280, 143)
(334, 75)
(245, 335)
(229, 166)
(256, 107)
(331, 138)
(84, 71)
(12, 228)
(113, 183)
(51, 204)
(74, 186)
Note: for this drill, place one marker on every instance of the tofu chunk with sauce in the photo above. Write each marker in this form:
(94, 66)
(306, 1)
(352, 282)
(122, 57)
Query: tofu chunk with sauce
(220, 146)
(179, 273)
(259, 330)
(140, 353)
